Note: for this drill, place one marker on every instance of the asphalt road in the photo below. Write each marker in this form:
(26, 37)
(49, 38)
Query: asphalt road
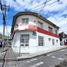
(49, 60)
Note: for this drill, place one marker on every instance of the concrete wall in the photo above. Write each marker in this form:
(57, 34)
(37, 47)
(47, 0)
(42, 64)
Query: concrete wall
(33, 21)
(33, 43)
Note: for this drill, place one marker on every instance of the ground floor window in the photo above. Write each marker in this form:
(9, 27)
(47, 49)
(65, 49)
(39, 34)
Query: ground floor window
(24, 40)
(53, 42)
(40, 40)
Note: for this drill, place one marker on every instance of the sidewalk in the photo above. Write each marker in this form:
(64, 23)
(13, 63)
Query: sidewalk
(26, 56)
(3, 49)
(11, 56)
(2, 52)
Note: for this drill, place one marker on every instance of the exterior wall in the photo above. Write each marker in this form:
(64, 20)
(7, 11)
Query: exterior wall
(33, 43)
(33, 21)
(46, 25)
(47, 42)
(16, 42)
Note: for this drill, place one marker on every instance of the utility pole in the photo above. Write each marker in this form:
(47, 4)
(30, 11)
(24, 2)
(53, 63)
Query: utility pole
(4, 9)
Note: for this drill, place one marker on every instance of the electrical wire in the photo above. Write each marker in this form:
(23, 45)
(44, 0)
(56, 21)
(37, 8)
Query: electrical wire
(43, 5)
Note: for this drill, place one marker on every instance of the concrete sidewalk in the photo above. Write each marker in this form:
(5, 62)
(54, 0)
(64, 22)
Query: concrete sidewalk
(11, 56)
(26, 56)
(3, 49)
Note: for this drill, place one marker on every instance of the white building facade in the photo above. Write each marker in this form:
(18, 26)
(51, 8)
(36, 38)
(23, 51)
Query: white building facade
(33, 33)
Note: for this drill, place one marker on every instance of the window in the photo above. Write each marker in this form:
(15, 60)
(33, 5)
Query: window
(56, 31)
(53, 42)
(57, 41)
(40, 41)
(25, 20)
(24, 40)
(40, 24)
(49, 39)
(50, 29)
(34, 33)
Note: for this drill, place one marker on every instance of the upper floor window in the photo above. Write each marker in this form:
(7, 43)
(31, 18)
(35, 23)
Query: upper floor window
(25, 20)
(56, 31)
(50, 29)
(40, 24)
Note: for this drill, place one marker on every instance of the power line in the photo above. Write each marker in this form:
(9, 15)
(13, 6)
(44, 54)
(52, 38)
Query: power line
(41, 5)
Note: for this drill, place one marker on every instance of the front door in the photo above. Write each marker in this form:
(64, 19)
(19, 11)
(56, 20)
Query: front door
(24, 43)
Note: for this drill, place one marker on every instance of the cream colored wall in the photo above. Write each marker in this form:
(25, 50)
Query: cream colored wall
(33, 43)
(46, 25)
(34, 21)
(31, 19)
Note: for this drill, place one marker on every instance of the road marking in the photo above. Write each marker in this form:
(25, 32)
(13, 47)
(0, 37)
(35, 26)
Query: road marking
(61, 50)
(60, 58)
(53, 56)
(51, 66)
(31, 60)
(37, 64)
(49, 54)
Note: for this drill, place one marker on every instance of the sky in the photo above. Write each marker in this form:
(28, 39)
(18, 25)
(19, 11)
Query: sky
(53, 10)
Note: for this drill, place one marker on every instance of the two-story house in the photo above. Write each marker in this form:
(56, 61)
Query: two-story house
(33, 33)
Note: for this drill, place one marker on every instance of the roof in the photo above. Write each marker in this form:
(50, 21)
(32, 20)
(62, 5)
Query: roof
(63, 35)
(33, 14)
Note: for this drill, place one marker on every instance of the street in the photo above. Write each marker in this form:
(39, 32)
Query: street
(49, 60)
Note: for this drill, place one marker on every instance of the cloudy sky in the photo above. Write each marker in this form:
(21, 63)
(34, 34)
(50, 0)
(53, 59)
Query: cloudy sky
(53, 10)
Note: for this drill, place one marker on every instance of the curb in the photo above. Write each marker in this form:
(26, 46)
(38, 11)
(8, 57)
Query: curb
(41, 54)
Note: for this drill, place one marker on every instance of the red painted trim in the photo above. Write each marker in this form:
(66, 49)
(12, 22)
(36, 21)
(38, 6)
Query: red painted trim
(47, 32)
(38, 29)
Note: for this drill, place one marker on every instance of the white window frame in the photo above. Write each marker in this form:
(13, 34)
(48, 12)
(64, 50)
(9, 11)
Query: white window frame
(53, 41)
(40, 24)
(40, 41)
(23, 41)
(25, 20)
(50, 29)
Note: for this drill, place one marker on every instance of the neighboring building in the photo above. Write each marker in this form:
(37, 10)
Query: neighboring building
(8, 42)
(63, 38)
(33, 33)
